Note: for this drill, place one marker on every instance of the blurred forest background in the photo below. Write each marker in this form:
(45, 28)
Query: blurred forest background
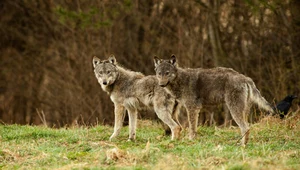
(46, 49)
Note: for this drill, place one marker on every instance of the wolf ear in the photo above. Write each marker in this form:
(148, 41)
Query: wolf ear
(112, 59)
(156, 60)
(96, 61)
(173, 59)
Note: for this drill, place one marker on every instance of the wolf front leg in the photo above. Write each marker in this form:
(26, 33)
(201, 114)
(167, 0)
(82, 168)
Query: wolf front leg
(192, 114)
(166, 117)
(119, 117)
(132, 114)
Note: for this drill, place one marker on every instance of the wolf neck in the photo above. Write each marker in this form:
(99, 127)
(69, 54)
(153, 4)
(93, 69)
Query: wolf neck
(128, 74)
(175, 87)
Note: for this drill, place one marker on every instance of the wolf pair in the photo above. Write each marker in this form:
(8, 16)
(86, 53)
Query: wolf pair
(174, 87)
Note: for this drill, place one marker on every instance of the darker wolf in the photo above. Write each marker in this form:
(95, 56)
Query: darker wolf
(193, 88)
(130, 91)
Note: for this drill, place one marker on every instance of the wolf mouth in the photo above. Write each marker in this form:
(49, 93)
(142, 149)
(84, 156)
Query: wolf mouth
(165, 85)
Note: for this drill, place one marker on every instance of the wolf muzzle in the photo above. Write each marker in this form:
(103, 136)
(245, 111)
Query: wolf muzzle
(104, 82)
(164, 85)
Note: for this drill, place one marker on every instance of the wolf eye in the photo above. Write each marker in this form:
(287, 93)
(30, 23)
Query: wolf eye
(108, 72)
(100, 72)
(167, 73)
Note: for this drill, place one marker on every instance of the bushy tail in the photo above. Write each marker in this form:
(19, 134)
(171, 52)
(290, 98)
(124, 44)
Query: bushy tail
(258, 99)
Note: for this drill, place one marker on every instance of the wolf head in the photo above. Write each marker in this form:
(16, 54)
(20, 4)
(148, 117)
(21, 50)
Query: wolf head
(166, 70)
(105, 71)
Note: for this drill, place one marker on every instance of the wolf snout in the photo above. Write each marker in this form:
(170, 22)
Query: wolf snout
(163, 84)
(104, 82)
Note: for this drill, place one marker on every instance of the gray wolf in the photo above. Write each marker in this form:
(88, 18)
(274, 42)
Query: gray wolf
(130, 91)
(196, 87)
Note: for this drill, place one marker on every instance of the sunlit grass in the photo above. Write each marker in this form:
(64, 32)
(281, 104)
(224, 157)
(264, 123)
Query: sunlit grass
(274, 144)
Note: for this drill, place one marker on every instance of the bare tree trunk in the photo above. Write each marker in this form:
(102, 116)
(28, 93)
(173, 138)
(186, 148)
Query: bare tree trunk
(219, 55)
(295, 6)
(218, 52)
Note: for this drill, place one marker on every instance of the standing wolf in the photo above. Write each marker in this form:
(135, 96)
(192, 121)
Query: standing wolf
(129, 91)
(196, 87)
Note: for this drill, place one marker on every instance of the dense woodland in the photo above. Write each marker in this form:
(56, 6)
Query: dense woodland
(46, 49)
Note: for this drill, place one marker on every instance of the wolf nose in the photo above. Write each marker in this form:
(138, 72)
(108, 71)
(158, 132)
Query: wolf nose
(104, 83)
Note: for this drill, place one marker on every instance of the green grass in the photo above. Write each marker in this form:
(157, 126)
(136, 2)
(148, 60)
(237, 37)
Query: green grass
(274, 144)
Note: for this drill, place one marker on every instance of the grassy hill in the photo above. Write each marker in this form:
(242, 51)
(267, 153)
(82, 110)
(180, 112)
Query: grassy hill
(274, 144)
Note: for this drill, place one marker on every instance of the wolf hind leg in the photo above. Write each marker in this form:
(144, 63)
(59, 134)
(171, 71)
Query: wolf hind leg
(192, 114)
(132, 114)
(227, 116)
(119, 118)
(239, 109)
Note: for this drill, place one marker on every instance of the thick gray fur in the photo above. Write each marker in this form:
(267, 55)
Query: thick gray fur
(193, 88)
(130, 91)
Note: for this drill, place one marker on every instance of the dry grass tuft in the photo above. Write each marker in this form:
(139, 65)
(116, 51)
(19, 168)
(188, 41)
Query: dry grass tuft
(213, 161)
(291, 121)
(170, 162)
(73, 166)
(8, 155)
(115, 154)
(126, 158)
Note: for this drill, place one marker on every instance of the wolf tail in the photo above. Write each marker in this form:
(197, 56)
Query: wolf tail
(258, 99)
